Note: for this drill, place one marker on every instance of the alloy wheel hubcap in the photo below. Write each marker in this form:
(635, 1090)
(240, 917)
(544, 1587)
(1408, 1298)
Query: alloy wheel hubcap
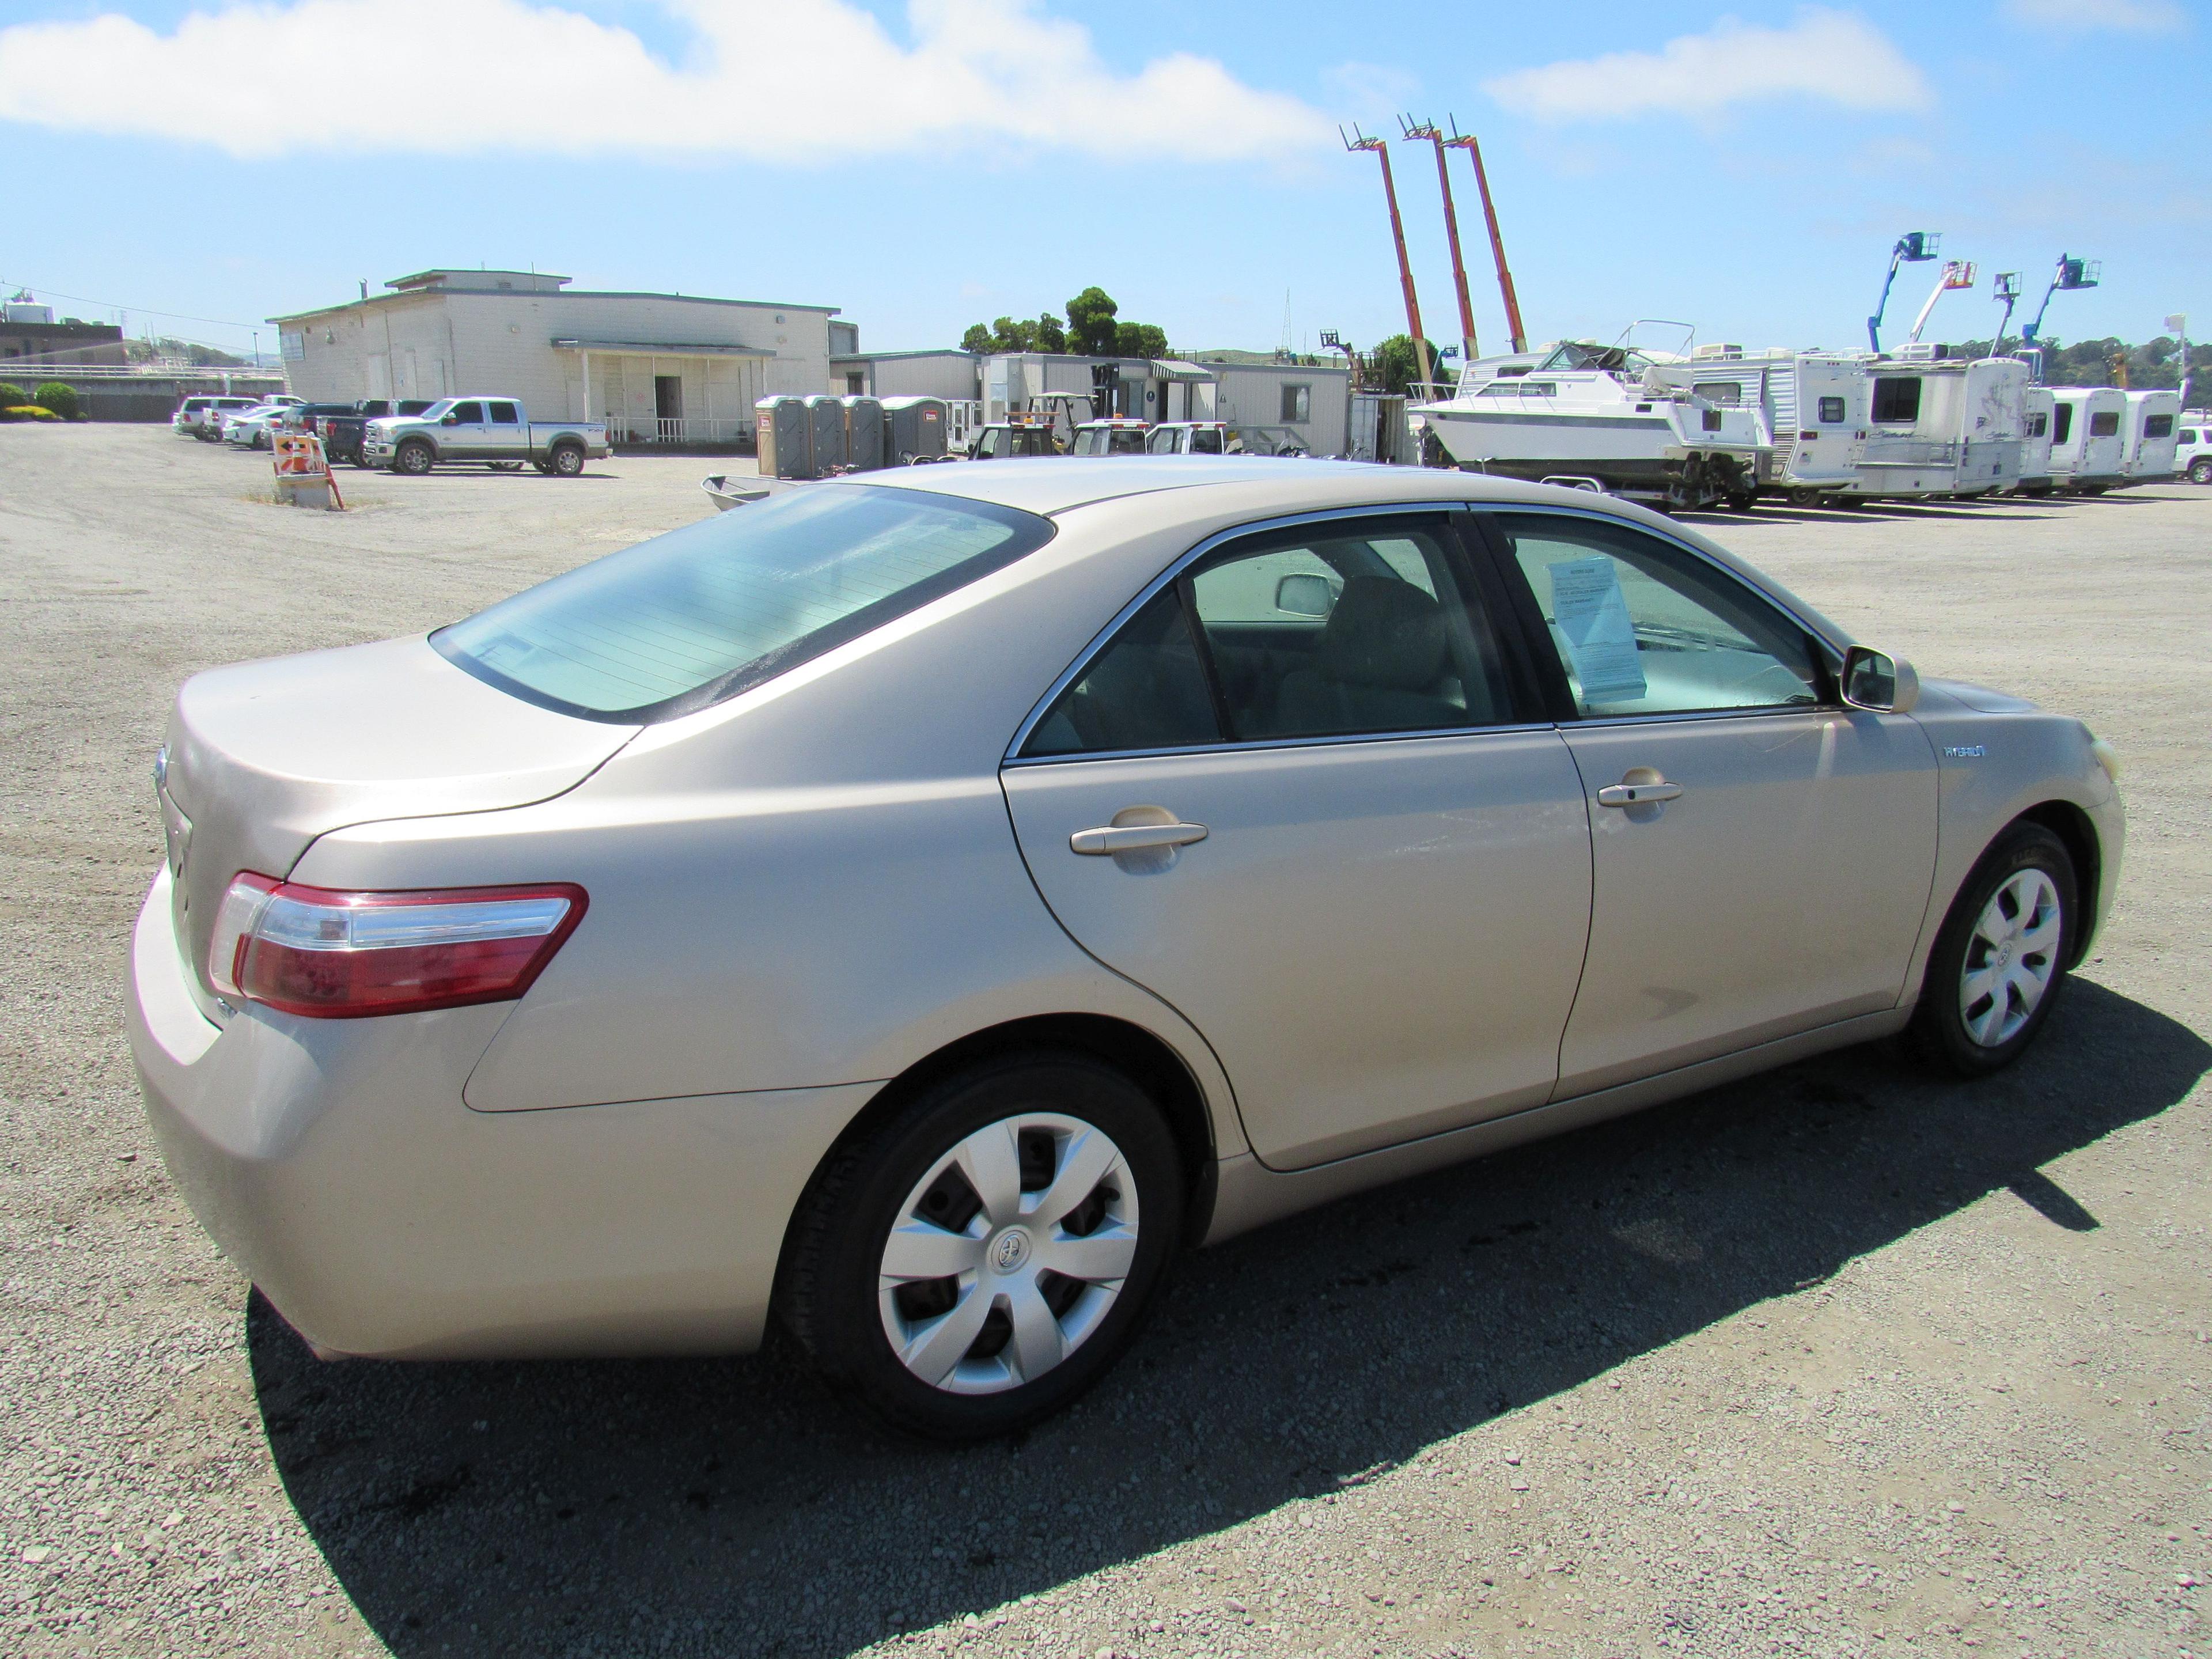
(2011, 957)
(1008, 1253)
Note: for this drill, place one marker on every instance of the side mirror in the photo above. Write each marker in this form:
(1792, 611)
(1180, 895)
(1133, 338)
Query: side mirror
(451, 420)
(1304, 595)
(1883, 685)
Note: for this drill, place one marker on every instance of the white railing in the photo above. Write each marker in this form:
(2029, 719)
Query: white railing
(676, 429)
(25, 366)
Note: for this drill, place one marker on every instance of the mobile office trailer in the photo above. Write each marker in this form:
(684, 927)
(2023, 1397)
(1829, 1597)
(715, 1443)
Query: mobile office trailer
(2086, 444)
(2148, 439)
(1942, 426)
(2036, 405)
(1812, 408)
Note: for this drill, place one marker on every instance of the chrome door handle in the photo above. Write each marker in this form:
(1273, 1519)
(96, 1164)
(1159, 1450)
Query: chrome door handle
(1636, 795)
(1133, 838)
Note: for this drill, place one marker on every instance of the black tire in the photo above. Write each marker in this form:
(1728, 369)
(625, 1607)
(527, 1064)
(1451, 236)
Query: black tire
(414, 457)
(2200, 469)
(567, 460)
(827, 1293)
(1939, 1031)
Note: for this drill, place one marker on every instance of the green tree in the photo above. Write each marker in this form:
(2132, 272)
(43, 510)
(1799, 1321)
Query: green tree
(1050, 335)
(1140, 340)
(1090, 328)
(59, 396)
(977, 339)
(1394, 365)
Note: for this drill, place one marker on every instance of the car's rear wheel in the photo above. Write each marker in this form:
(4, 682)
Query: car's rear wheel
(2200, 469)
(567, 460)
(2002, 956)
(979, 1259)
(412, 457)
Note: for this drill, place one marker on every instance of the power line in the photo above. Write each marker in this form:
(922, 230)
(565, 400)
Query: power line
(109, 304)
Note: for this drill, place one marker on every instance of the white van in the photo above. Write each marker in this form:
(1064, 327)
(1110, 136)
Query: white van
(2192, 445)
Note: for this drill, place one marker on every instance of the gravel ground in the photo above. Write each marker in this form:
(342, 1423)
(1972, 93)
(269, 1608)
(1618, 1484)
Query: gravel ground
(1835, 1361)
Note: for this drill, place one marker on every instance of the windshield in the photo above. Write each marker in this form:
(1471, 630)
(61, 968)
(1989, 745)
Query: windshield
(438, 409)
(687, 619)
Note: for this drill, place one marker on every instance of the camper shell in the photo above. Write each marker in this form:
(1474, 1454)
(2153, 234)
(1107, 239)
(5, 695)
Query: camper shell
(2086, 442)
(2035, 416)
(1812, 406)
(2148, 434)
(1940, 426)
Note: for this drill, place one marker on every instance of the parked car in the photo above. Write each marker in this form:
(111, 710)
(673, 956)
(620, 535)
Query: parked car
(202, 417)
(2192, 453)
(1192, 438)
(480, 431)
(250, 428)
(340, 432)
(308, 417)
(917, 909)
(1004, 439)
(1119, 436)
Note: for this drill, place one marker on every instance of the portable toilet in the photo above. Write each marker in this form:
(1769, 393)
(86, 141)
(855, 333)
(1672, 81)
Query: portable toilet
(2037, 406)
(781, 426)
(915, 430)
(863, 433)
(2147, 427)
(825, 431)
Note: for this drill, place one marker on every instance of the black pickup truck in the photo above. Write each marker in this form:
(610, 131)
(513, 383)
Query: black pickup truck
(341, 434)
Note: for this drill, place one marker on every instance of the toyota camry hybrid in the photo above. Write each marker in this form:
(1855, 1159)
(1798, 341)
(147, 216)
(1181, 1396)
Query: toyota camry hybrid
(916, 911)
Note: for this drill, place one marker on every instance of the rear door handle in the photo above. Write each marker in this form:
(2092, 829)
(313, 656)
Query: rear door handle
(1638, 794)
(1134, 838)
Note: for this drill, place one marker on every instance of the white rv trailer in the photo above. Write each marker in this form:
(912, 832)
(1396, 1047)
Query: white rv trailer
(2085, 439)
(2036, 404)
(1585, 414)
(2147, 434)
(1938, 426)
(1812, 406)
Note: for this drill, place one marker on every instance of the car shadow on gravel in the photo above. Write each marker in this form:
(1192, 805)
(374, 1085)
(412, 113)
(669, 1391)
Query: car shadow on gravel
(728, 1506)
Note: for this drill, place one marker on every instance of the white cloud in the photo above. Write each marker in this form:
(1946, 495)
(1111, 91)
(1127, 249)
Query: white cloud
(787, 80)
(1833, 56)
(2081, 16)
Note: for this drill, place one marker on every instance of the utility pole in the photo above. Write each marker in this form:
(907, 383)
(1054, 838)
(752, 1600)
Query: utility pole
(1428, 129)
(1513, 328)
(1397, 235)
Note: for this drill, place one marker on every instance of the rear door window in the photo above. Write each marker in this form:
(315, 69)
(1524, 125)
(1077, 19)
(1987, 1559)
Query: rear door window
(506, 415)
(2105, 423)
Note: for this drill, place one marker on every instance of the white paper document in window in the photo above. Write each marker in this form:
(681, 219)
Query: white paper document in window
(1592, 613)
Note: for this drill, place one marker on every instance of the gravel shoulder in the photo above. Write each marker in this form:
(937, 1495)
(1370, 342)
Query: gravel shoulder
(1837, 1361)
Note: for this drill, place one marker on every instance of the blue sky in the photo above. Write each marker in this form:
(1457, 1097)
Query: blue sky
(928, 166)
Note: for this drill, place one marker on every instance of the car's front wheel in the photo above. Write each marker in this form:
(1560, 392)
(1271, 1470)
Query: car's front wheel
(982, 1257)
(413, 457)
(2002, 956)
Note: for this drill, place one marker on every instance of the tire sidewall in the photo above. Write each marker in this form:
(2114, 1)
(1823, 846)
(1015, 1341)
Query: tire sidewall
(2200, 471)
(848, 1338)
(413, 459)
(1939, 1023)
(568, 461)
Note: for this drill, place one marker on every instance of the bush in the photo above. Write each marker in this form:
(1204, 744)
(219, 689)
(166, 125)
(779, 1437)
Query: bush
(12, 395)
(59, 396)
(27, 412)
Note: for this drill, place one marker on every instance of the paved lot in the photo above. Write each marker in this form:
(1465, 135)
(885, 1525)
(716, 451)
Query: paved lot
(1837, 1361)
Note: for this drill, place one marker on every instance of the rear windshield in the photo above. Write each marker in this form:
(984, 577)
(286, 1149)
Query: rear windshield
(699, 614)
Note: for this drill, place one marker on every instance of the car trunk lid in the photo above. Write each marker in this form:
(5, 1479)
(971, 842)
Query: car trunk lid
(262, 757)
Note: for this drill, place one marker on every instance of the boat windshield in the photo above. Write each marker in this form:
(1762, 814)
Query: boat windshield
(1584, 354)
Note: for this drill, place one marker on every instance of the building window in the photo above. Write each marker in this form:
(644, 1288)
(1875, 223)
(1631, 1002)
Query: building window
(1297, 405)
(1897, 400)
(855, 384)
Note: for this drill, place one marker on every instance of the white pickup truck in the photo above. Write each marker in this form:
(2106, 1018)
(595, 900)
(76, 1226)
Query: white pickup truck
(480, 431)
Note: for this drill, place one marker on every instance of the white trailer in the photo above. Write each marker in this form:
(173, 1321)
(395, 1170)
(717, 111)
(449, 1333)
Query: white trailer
(1942, 426)
(2086, 444)
(2036, 404)
(1811, 405)
(2147, 435)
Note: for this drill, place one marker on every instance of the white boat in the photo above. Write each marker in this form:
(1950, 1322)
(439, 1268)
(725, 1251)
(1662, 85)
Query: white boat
(1587, 414)
(2146, 437)
(1941, 426)
(2086, 442)
(1812, 407)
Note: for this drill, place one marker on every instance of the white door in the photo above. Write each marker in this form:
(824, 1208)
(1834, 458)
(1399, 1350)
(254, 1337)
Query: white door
(1314, 825)
(1761, 856)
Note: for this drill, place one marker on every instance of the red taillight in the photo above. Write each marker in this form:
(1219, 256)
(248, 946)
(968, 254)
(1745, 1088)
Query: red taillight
(336, 954)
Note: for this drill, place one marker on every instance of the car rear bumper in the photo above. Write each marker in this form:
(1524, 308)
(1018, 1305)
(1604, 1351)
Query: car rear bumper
(335, 1162)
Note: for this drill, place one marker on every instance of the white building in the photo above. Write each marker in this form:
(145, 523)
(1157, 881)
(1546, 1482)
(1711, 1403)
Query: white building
(670, 368)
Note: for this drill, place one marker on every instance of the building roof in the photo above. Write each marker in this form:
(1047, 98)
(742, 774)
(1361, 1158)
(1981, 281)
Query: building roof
(496, 282)
(401, 295)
